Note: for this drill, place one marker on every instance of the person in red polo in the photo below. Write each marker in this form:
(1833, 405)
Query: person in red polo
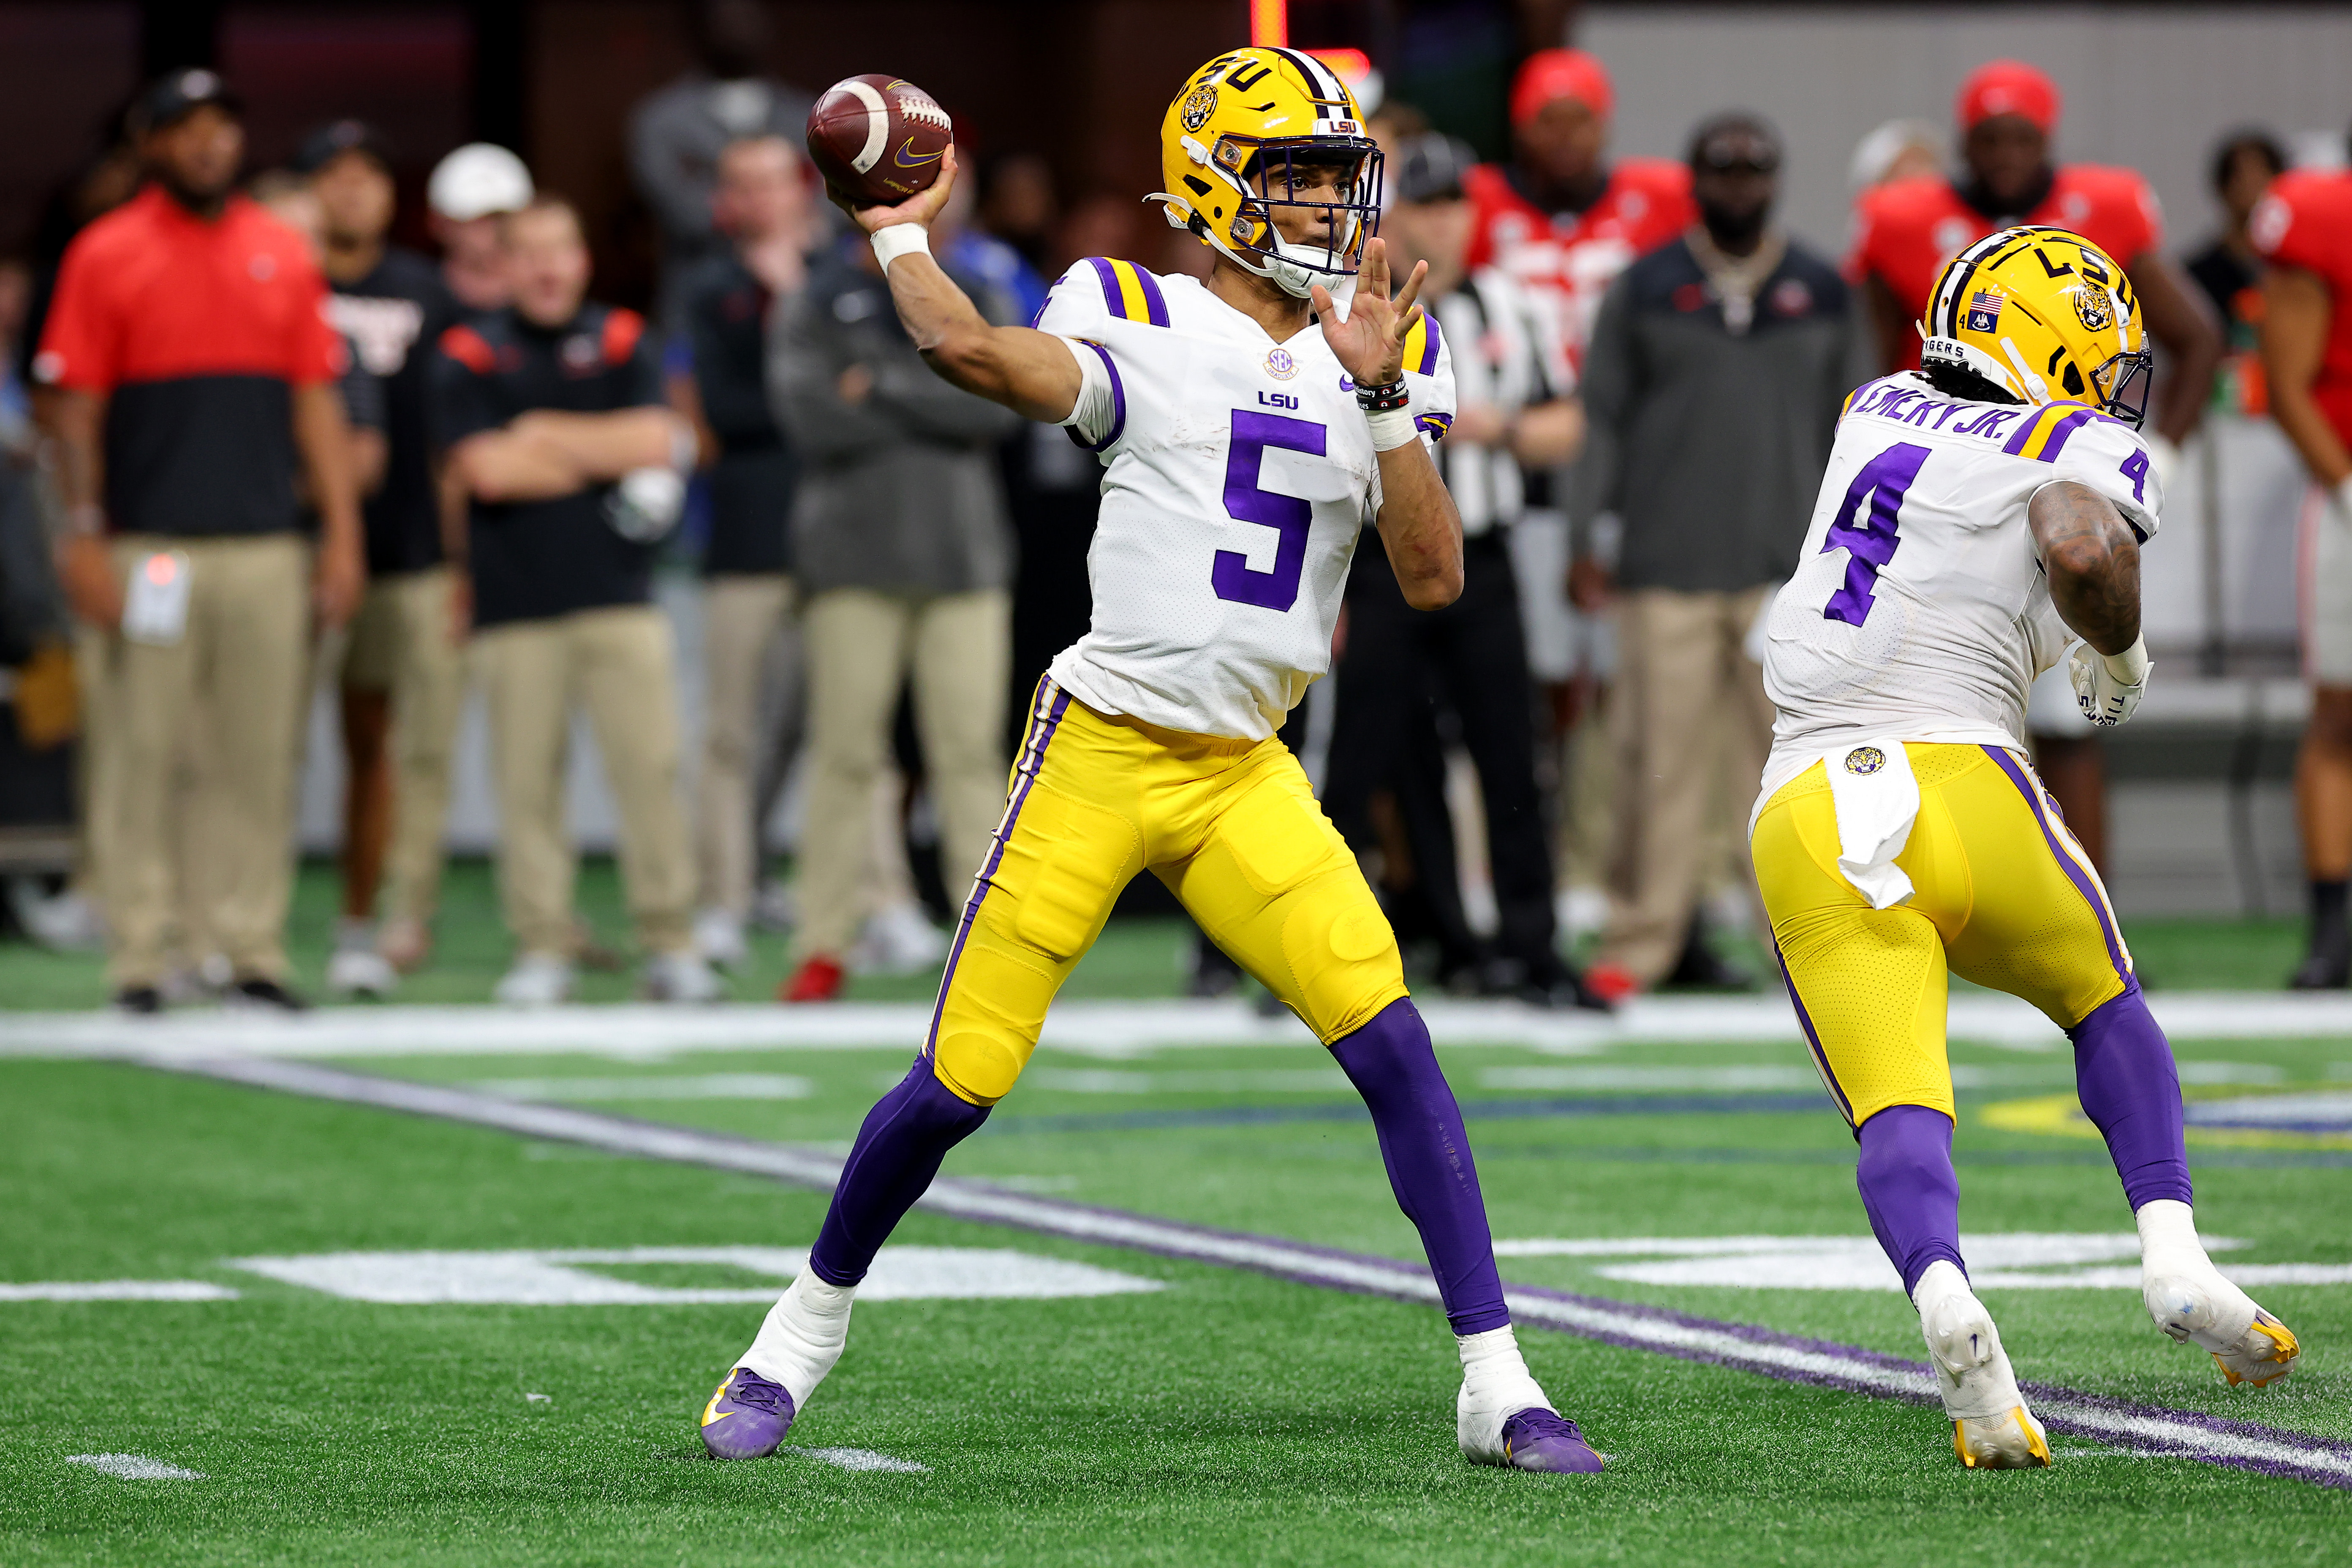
(1561, 218)
(1904, 231)
(193, 379)
(2303, 228)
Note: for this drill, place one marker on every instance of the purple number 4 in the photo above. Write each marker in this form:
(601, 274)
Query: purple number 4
(1289, 516)
(1869, 540)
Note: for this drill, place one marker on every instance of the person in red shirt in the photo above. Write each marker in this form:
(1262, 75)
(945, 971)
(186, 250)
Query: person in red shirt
(1906, 231)
(2303, 228)
(1562, 219)
(192, 391)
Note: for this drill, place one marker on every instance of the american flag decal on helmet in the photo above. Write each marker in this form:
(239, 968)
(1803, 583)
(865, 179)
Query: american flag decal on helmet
(1984, 310)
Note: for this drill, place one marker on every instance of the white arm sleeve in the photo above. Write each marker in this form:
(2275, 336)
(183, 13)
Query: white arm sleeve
(1098, 418)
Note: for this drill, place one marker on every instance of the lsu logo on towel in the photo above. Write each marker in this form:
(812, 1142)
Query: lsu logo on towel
(1864, 760)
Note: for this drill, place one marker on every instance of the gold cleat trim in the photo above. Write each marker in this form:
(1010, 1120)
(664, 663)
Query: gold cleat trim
(2037, 1446)
(2284, 1350)
(711, 1414)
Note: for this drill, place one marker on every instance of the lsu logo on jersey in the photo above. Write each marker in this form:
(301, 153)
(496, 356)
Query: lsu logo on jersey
(1984, 311)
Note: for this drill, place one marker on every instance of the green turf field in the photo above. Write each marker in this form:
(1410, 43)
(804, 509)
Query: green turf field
(1224, 1417)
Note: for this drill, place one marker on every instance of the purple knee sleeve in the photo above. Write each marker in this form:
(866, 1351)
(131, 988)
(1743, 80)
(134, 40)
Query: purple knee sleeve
(2129, 1088)
(1909, 1188)
(1427, 1153)
(907, 1134)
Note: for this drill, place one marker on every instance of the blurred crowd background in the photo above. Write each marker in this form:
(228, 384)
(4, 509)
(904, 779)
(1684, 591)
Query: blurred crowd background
(434, 430)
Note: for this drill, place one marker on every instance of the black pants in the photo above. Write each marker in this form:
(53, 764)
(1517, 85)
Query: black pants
(1400, 667)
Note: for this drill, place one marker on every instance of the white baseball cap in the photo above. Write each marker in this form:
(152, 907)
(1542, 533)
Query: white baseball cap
(477, 180)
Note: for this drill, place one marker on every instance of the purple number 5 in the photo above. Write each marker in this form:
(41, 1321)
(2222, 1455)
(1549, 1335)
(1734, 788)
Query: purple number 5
(1289, 516)
(1869, 540)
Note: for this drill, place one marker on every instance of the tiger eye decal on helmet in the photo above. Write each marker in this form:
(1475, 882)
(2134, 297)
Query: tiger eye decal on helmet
(2042, 314)
(1263, 140)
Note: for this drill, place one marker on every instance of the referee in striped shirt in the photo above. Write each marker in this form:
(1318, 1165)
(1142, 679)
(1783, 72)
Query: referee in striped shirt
(1399, 664)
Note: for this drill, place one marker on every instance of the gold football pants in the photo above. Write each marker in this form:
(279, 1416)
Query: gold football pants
(2003, 896)
(1231, 827)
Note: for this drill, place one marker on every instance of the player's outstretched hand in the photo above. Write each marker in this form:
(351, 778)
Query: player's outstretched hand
(1369, 344)
(922, 207)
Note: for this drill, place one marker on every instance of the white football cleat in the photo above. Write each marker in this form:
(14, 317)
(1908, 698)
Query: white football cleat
(897, 939)
(2192, 1301)
(1992, 1427)
(537, 980)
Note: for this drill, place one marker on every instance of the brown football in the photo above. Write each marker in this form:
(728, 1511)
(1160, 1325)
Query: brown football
(878, 140)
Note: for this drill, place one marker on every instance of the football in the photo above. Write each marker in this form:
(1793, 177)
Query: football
(878, 140)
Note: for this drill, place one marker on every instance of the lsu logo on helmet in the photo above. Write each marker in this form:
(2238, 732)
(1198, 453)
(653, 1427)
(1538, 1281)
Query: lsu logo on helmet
(1260, 132)
(2044, 315)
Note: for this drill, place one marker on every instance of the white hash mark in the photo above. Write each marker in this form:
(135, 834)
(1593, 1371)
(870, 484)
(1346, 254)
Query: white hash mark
(540, 1398)
(134, 1468)
(863, 1460)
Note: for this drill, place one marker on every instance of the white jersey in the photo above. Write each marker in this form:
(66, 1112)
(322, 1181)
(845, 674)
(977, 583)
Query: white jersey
(1238, 475)
(1919, 610)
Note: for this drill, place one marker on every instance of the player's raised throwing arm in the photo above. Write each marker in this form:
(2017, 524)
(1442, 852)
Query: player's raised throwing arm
(1419, 526)
(1031, 372)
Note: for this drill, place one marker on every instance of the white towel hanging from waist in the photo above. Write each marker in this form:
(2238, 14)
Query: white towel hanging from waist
(1876, 798)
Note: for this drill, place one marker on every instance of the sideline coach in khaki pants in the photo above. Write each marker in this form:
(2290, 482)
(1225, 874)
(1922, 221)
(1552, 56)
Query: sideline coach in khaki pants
(551, 411)
(192, 366)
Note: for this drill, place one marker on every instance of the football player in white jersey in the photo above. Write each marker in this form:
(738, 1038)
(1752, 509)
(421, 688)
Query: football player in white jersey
(1249, 427)
(1977, 514)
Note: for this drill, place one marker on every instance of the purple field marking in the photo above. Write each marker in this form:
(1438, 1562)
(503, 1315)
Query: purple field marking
(1745, 1347)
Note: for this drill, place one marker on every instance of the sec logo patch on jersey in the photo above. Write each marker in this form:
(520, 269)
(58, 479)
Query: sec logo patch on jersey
(1279, 364)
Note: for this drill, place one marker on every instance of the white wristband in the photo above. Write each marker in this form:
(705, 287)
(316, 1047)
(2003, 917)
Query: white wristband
(1391, 428)
(2130, 666)
(900, 239)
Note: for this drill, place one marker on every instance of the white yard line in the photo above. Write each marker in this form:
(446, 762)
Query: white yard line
(1112, 1030)
(134, 1468)
(119, 1290)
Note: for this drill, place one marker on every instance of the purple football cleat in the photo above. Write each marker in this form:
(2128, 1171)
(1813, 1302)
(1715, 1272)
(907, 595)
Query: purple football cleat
(748, 1418)
(1540, 1440)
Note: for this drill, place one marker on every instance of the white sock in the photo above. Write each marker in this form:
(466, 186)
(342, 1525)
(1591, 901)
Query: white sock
(2183, 1291)
(803, 1336)
(1496, 1386)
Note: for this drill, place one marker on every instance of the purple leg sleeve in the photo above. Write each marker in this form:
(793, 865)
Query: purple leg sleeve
(1909, 1188)
(1427, 1153)
(907, 1134)
(2129, 1088)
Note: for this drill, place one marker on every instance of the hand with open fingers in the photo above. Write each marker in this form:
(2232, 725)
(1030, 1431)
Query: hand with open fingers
(2108, 687)
(922, 207)
(1369, 344)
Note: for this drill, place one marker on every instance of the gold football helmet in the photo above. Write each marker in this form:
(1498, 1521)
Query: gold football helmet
(2045, 316)
(1237, 143)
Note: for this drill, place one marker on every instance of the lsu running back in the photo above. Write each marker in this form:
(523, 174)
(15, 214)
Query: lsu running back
(1250, 426)
(1977, 515)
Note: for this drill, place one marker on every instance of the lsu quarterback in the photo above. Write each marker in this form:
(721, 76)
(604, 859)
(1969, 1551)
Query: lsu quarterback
(1248, 426)
(1977, 515)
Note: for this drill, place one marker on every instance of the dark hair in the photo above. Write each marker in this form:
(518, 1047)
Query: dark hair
(1730, 121)
(2246, 138)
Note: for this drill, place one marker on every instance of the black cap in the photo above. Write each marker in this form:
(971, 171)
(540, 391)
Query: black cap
(327, 143)
(1433, 168)
(175, 96)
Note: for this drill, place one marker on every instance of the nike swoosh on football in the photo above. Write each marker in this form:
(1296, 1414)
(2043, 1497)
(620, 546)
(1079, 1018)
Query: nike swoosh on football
(905, 162)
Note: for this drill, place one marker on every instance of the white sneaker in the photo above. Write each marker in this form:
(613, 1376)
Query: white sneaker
(65, 922)
(362, 972)
(680, 977)
(803, 1336)
(2192, 1302)
(1992, 1427)
(719, 937)
(537, 980)
(356, 968)
(898, 939)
